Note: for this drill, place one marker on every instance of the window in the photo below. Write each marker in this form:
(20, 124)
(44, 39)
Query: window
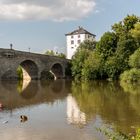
(72, 41)
(78, 41)
(78, 36)
(72, 47)
(72, 36)
(89, 36)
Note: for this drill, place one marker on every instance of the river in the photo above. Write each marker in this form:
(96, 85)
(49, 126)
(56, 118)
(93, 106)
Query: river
(65, 110)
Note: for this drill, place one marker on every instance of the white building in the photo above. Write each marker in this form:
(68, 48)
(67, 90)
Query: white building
(73, 40)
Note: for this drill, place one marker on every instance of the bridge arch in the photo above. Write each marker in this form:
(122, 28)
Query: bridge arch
(29, 70)
(57, 70)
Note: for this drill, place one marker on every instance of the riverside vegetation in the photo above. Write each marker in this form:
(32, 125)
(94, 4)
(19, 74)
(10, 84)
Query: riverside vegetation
(116, 53)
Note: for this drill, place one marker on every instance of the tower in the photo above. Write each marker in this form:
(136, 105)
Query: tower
(73, 40)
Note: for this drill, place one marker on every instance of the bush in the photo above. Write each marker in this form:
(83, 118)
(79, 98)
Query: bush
(20, 73)
(131, 76)
(134, 60)
(118, 135)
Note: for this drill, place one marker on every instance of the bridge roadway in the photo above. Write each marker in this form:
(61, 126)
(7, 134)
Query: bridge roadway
(34, 66)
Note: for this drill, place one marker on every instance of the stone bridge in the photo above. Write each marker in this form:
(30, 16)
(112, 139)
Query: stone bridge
(34, 66)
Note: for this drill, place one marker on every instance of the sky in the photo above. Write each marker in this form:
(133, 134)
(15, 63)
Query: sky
(41, 25)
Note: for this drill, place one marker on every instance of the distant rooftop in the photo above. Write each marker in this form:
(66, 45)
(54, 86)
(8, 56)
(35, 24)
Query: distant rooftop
(80, 30)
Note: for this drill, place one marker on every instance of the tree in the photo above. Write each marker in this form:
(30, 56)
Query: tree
(92, 67)
(134, 60)
(88, 44)
(112, 67)
(136, 32)
(107, 45)
(62, 55)
(50, 52)
(111, 55)
(78, 62)
(124, 26)
(131, 76)
(118, 63)
(80, 56)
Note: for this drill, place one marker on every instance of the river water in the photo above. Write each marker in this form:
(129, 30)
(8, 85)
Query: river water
(65, 110)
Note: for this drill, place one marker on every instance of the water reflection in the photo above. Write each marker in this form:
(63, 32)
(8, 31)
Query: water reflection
(20, 94)
(22, 85)
(52, 106)
(110, 102)
(131, 87)
(74, 115)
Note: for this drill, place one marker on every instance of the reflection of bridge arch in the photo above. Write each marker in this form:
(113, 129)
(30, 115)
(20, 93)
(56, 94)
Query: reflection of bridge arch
(29, 70)
(30, 90)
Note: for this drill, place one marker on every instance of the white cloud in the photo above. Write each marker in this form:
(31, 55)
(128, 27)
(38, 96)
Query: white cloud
(59, 10)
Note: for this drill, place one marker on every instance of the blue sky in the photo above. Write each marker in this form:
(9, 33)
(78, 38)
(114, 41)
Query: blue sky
(41, 24)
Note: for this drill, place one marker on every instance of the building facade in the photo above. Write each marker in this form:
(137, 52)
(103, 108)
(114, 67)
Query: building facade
(73, 40)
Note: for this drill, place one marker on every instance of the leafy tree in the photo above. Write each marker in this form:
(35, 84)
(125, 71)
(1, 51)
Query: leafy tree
(88, 44)
(136, 32)
(123, 27)
(134, 60)
(130, 76)
(50, 52)
(92, 67)
(125, 47)
(80, 56)
(112, 67)
(107, 45)
(78, 61)
(111, 55)
(62, 55)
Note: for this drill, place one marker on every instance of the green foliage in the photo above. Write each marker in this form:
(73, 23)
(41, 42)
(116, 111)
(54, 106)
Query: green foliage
(112, 67)
(107, 45)
(137, 137)
(136, 32)
(123, 27)
(111, 55)
(61, 55)
(80, 56)
(113, 135)
(118, 62)
(130, 76)
(92, 67)
(78, 61)
(20, 73)
(134, 60)
(126, 45)
(87, 44)
(52, 53)
(19, 86)
(118, 135)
